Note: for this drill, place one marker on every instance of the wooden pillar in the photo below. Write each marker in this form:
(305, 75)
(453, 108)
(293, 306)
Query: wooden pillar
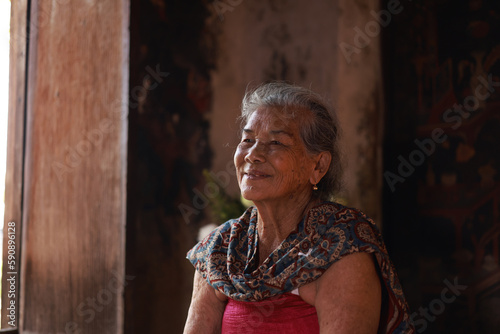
(74, 193)
(14, 170)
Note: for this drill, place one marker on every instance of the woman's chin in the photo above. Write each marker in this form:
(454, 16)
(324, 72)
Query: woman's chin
(248, 197)
(252, 195)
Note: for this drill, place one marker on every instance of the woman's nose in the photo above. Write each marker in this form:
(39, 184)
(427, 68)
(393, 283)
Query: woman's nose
(256, 153)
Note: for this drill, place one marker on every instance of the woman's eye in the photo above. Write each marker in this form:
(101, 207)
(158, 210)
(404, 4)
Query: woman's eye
(246, 140)
(275, 142)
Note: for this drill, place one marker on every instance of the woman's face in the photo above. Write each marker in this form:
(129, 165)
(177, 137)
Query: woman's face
(271, 160)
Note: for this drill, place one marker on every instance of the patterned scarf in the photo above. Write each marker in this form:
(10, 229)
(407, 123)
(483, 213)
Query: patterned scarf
(228, 258)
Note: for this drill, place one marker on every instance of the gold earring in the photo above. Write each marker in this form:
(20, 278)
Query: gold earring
(315, 187)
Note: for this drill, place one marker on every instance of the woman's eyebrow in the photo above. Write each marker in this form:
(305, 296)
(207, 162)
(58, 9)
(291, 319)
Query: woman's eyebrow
(273, 132)
(281, 132)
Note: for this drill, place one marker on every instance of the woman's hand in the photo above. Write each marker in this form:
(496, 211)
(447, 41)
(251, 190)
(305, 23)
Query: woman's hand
(348, 296)
(206, 309)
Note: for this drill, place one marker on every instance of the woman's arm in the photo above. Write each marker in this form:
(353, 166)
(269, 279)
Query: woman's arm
(348, 296)
(206, 309)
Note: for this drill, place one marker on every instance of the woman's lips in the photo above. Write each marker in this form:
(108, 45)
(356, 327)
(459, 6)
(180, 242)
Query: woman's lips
(255, 175)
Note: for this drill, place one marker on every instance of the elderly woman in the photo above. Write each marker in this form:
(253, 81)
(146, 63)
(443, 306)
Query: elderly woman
(294, 262)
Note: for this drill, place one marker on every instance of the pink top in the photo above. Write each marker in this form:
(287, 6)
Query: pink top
(286, 313)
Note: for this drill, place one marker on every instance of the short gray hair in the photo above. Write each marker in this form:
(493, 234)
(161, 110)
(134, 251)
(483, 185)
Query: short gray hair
(319, 133)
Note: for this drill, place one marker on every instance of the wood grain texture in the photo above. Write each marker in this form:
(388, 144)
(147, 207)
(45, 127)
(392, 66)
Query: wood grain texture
(74, 214)
(15, 142)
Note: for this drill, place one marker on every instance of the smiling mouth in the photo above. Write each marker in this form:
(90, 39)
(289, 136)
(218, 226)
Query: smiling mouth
(252, 175)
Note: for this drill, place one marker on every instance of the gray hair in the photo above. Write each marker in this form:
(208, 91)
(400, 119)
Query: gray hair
(319, 131)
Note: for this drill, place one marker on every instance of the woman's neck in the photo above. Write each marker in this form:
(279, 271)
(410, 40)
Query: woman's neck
(276, 220)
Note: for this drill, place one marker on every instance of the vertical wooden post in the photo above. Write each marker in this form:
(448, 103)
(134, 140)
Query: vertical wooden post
(74, 194)
(14, 171)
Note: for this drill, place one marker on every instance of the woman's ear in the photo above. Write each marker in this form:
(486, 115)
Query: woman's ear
(323, 161)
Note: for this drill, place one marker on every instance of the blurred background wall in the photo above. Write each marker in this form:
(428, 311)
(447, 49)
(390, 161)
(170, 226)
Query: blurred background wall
(441, 157)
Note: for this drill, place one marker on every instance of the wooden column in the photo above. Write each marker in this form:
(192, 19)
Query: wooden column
(74, 194)
(14, 170)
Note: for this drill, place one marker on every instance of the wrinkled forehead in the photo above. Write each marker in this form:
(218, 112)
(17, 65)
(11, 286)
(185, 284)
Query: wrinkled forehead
(273, 118)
